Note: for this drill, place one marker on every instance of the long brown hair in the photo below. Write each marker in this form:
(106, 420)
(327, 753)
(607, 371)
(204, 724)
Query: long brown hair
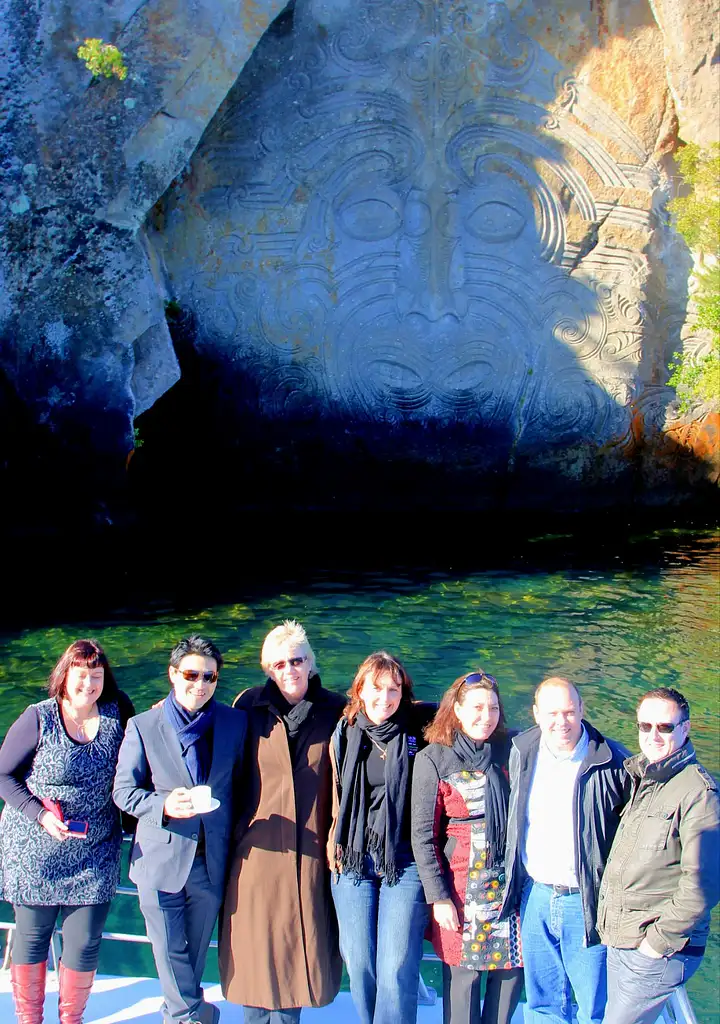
(445, 724)
(83, 652)
(374, 665)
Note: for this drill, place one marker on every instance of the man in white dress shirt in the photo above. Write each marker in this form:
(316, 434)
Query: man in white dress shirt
(568, 786)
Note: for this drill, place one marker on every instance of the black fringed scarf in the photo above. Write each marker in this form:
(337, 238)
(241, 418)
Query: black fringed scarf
(478, 756)
(353, 836)
(293, 715)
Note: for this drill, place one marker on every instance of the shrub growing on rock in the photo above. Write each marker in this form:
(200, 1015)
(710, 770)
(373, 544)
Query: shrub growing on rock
(102, 59)
(697, 219)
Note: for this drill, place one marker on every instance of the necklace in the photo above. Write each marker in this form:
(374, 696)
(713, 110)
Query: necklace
(381, 750)
(79, 726)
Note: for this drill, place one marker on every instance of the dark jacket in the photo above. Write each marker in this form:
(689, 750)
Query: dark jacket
(438, 764)
(663, 876)
(601, 791)
(448, 820)
(151, 765)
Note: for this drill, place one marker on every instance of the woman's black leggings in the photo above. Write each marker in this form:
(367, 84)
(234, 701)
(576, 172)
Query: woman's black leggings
(82, 929)
(461, 995)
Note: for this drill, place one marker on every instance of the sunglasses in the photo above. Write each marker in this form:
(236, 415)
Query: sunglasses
(477, 677)
(191, 675)
(664, 728)
(292, 662)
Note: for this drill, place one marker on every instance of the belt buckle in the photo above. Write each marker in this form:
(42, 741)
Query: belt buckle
(561, 890)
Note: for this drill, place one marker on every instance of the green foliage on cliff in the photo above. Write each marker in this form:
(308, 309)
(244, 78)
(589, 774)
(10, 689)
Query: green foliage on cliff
(697, 219)
(102, 59)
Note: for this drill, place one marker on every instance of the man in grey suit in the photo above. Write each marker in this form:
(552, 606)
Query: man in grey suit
(179, 855)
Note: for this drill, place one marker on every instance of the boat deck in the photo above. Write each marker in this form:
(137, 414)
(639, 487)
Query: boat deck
(138, 1000)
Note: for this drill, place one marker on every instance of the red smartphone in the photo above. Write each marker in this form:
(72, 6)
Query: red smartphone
(78, 829)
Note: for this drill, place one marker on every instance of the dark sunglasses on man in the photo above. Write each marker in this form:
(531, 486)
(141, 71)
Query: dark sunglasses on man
(191, 675)
(664, 728)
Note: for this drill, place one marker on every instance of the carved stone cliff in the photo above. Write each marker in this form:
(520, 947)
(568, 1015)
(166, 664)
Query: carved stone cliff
(84, 343)
(410, 232)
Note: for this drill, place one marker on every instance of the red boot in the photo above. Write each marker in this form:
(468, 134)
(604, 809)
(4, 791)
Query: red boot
(75, 988)
(28, 985)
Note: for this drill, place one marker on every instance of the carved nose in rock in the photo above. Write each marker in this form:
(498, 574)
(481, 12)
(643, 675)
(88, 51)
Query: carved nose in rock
(431, 304)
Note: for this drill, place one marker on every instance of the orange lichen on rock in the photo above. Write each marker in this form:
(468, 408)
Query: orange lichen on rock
(693, 448)
(700, 437)
(633, 440)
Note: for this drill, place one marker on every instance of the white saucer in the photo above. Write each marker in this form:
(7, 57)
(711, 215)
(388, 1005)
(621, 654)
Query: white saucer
(214, 804)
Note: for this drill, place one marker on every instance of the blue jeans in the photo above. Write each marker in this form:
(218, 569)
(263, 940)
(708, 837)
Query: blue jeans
(639, 986)
(557, 963)
(381, 941)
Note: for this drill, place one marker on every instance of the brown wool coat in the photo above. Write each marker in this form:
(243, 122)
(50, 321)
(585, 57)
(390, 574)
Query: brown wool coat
(278, 936)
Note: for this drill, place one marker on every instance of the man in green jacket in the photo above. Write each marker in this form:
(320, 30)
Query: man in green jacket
(663, 875)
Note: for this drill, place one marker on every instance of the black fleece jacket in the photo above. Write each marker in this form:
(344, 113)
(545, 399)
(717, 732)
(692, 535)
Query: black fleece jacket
(601, 791)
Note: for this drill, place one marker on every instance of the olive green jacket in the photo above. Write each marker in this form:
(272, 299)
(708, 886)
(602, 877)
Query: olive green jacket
(662, 878)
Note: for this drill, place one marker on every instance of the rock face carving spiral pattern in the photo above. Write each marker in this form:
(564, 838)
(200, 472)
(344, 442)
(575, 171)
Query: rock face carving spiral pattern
(392, 216)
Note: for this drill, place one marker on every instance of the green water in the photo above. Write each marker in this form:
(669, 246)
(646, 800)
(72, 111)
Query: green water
(617, 630)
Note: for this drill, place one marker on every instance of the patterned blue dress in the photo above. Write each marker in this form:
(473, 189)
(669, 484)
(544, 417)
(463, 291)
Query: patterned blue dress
(37, 869)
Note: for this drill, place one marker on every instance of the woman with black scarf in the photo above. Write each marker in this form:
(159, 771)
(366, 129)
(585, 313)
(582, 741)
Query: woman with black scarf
(378, 896)
(460, 802)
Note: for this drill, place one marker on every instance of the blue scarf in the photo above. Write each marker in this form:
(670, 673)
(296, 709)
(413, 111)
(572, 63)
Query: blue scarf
(193, 731)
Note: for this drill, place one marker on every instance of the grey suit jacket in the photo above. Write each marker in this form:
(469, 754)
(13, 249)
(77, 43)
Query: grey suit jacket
(150, 765)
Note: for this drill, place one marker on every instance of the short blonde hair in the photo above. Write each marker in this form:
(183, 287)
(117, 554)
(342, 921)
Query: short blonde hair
(289, 634)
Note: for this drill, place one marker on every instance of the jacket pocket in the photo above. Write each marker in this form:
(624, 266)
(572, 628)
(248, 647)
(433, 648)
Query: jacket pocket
(153, 833)
(450, 844)
(656, 830)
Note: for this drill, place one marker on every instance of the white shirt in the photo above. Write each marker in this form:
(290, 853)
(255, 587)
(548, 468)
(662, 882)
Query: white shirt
(549, 847)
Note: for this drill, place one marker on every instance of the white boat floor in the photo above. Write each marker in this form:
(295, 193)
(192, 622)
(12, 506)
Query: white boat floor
(137, 1000)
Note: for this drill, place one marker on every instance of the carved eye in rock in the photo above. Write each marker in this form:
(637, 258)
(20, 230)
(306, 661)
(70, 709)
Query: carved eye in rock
(370, 218)
(493, 221)
(391, 373)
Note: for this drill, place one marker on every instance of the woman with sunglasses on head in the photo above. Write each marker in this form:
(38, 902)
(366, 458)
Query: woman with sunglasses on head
(378, 896)
(60, 831)
(460, 804)
(278, 939)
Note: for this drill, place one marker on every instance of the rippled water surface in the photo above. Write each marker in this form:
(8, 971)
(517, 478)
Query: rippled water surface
(616, 631)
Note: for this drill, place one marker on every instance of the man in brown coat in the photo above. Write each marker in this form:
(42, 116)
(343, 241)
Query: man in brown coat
(278, 941)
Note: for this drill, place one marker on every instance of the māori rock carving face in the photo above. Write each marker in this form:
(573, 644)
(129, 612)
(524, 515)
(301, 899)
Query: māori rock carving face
(400, 212)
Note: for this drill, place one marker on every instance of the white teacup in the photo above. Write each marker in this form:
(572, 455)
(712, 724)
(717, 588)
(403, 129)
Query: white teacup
(201, 797)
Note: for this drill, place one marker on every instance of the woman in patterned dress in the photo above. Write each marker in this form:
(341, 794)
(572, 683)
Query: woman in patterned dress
(459, 804)
(57, 766)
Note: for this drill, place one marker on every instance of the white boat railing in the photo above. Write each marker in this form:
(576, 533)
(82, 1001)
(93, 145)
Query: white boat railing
(678, 1009)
